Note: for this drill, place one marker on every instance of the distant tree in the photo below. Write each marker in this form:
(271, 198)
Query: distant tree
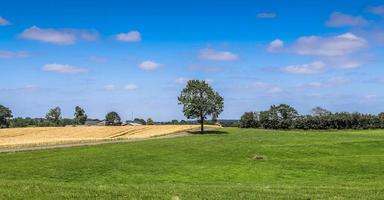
(112, 119)
(140, 121)
(150, 121)
(199, 101)
(54, 116)
(175, 121)
(320, 112)
(278, 117)
(5, 116)
(249, 120)
(80, 116)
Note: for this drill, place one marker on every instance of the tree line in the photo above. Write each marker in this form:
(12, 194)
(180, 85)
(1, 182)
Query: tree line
(199, 102)
(53, 118)
(284, 116)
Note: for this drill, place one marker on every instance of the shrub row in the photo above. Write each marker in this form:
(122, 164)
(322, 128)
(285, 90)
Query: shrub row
(286, 117)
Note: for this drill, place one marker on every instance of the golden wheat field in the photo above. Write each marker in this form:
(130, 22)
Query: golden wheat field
(40, 136)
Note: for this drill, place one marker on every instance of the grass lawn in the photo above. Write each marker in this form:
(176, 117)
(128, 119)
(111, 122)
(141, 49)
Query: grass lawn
(295, 165)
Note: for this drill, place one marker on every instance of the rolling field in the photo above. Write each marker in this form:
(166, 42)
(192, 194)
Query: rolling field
(291, 165)
(27, 137)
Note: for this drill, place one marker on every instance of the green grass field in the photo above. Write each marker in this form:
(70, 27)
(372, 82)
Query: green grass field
(295, 165)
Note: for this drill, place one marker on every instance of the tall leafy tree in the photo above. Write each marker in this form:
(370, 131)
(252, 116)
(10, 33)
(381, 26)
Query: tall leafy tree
(112, 118)
(80, 116)
(5, 116)
(54, 116)
(199, 101)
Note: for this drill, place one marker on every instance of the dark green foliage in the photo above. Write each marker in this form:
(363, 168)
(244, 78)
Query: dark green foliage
(199, 101)
(5, 116)
(286, 117)
(80, 116)
(140, 121)
(150, 121)
(112, 119)
(249, 120)
(54, 116)
(278, 117)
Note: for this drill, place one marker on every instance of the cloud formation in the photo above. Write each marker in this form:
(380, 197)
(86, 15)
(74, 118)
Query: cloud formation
(377, 10)
(13, 54)
(63, 69)
(109, 87)
(315, 67)
(128, 87)
(4, 22)
(266, 15)
(338, 19)
(328, 46)
(332, 82)
(149, 65)
(58, 36)
(266, 87)
(131, 87)
(132, 36)
(275, 45)
(211, 54)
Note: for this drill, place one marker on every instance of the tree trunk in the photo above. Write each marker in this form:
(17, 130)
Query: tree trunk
(202, 124)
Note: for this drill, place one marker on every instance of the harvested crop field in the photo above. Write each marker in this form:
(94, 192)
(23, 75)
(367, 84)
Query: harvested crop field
(40, 136)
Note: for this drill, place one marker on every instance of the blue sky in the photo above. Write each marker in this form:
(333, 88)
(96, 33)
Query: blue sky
(135, 57)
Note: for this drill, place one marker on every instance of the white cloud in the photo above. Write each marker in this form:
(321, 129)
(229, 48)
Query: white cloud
(58, 36)
(4, 22)
(315, 67)
(63, 69)
(266, 15)
(131, 87)
(333, 82)
(211, 54)
(377, 10)
(275, 45)
(344, 62)
(149, 65)
(266, 87)
(338, 19)
(109, 87)
(328, 46)
(13, 54)
(132, 36)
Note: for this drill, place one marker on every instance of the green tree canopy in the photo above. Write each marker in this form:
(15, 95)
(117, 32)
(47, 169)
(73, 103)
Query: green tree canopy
(5, 116)
(249, 120)
(54, 116)
(80, 116)
(150, 121)
(199, 101)
(112, 119)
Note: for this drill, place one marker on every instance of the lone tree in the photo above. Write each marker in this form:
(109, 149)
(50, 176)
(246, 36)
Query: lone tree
(112, 118)
(150, 121)
(5, 115)
(80, 116)
(199, 101)
(54, 116)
